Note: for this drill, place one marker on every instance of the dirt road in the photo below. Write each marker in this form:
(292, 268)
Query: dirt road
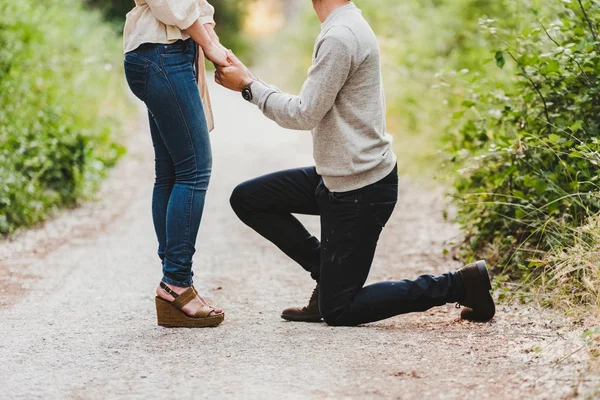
(77, 317)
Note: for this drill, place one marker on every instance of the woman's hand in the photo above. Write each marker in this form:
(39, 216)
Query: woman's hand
(235, 77)
(217, 55)
(213, 51)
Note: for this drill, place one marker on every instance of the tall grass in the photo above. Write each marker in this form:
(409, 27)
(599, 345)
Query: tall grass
(572, 273)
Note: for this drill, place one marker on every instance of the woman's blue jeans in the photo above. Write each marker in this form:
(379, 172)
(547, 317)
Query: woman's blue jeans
(163, 77)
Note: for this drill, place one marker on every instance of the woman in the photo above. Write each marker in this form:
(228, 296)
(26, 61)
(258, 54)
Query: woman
(165, 42)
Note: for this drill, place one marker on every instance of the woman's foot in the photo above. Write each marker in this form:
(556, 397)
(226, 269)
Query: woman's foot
(190, 308)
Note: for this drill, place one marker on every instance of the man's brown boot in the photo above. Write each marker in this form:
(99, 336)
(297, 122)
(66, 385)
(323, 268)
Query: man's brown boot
(310, 313)
(478, 302)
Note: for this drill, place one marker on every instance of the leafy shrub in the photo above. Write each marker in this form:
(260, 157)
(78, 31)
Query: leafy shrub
(529, 150)
(57, 82)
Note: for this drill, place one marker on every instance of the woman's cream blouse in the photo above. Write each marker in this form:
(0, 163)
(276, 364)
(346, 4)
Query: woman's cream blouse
(163, 21)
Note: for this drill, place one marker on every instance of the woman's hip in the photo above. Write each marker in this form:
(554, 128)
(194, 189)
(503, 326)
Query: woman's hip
(162, 70)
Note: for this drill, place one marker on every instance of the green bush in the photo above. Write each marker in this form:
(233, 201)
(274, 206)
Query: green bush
(529, 150)
(60, 89)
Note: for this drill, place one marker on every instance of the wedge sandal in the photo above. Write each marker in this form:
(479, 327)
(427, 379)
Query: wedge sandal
(170, 313)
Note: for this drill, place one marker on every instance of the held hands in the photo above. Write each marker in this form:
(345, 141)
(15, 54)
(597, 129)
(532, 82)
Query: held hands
(217, 55)
(206, 37)
(234, 76)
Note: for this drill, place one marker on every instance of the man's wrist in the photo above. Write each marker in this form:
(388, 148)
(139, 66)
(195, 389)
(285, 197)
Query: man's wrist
(247, 90)
(248, 82)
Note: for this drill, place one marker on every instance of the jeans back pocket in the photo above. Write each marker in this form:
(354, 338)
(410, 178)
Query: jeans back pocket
(136, 73)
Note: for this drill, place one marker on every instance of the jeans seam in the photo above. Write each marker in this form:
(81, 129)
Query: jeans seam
(187, 129)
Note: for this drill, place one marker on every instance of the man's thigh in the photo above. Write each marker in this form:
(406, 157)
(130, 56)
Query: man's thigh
(351, 224)
(289, 191)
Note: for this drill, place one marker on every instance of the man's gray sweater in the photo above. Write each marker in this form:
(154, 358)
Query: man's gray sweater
(342, 102)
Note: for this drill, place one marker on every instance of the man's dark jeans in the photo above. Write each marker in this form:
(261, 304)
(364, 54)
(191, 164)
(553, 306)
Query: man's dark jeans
(351, 223)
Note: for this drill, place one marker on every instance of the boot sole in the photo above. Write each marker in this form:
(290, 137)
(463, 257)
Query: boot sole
(170, 317)
(476, 314)
(301, 318)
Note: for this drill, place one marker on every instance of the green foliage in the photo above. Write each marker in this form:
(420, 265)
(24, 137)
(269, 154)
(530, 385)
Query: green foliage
(426, 46)
(528, 148)
(114, 10)
(287, 56)
(58, 78)
(229, 18)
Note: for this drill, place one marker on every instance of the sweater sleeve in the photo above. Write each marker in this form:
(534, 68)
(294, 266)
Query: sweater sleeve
(326, 77)
(179, 13)
(207, 12)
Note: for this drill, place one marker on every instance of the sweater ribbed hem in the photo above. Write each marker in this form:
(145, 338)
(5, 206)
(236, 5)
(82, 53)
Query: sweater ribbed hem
(259, 90)
(358, 181)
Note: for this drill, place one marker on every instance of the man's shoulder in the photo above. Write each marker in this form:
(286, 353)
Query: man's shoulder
(349, 26)
(340, 32)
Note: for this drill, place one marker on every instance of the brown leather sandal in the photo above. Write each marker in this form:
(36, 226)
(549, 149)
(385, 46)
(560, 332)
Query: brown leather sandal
(170, 313)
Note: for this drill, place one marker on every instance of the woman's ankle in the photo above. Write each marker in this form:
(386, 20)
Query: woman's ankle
(165, 290)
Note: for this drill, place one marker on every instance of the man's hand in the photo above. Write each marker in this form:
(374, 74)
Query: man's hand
(235, 77)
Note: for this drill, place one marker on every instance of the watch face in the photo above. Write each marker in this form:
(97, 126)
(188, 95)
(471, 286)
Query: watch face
(247, 94)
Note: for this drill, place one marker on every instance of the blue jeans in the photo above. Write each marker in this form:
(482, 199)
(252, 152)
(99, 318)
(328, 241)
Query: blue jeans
(163, 77)
(351, 223)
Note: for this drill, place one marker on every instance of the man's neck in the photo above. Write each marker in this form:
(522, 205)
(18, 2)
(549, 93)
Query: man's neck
(324, 8)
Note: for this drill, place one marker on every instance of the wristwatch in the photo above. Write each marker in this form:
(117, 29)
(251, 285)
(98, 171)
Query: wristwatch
(247, 92)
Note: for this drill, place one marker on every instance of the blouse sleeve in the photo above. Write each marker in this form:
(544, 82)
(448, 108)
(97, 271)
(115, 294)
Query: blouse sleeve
(207, 12)
(179, 13)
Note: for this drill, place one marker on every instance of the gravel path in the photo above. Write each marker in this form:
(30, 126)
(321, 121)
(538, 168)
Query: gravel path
(77, 317)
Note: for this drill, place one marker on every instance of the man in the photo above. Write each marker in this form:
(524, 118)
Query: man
(353, 188)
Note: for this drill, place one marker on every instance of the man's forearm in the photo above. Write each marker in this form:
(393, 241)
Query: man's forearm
(327, 76)
(288, 111)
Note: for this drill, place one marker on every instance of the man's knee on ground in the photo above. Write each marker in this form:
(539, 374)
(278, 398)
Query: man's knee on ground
(334, 316)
